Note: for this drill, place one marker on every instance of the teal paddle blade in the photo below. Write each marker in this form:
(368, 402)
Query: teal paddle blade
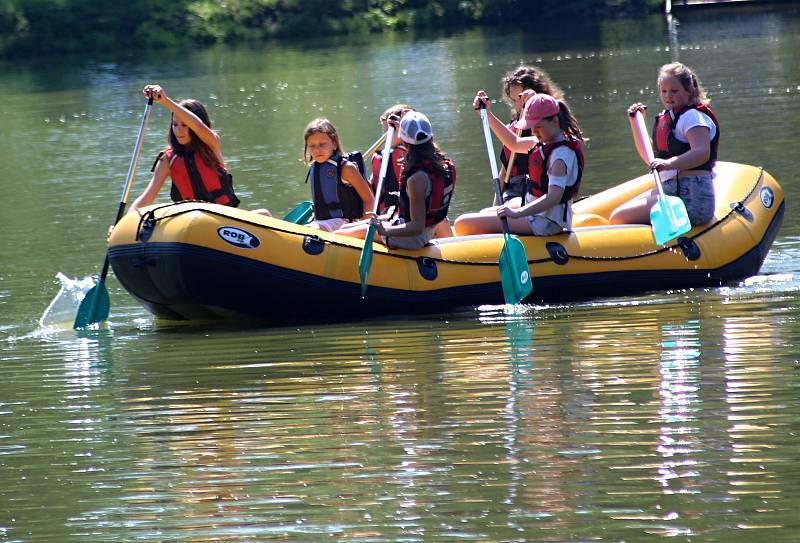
(94, 306)
(515, 276)
(365, 260)
(301, 214)
(669, 219)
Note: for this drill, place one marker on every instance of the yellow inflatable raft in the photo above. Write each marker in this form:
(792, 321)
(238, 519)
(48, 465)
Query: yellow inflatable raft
(195, 260)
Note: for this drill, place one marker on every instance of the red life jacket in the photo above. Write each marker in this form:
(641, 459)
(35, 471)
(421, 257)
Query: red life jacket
(666, 145)
(193, 179)
(390, 192)
(520, 164)
(539, 162)
(438, 202)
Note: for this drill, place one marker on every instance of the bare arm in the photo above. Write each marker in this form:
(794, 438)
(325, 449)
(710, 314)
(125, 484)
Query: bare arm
(516, 143)
(699, 152)
(416, 186)
(156, 182)
(542, 203)
(206, 135)
(353, 177)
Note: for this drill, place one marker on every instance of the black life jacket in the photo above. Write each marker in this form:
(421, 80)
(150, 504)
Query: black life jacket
(332, 198)
(666, 145)
(193, 179)
(390, 192)
(539, 162)
(520, 165)
(438, 201)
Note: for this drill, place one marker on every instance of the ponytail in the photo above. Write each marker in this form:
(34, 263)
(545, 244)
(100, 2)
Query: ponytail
(568, 123)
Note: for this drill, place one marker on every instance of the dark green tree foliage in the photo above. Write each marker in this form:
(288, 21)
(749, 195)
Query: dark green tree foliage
(55, 26)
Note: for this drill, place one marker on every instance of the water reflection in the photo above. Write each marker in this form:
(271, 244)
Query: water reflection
(668, 414)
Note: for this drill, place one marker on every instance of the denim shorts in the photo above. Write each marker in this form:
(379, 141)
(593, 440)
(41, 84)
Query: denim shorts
(697, 193)
(542, 226)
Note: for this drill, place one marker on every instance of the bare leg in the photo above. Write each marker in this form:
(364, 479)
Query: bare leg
(489, 223)
(443, 230)
(355, 230)
(634, 211)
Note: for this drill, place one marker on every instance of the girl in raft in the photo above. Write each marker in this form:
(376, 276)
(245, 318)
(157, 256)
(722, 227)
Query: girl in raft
(338, 189)
(427, 184)
(555, 169)
(685, 142)
(514, 85)
(390, 192)
(193, 159)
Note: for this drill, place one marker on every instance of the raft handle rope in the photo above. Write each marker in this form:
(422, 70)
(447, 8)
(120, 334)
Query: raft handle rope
(149, 218)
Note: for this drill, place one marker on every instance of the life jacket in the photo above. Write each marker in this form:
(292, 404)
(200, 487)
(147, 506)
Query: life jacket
(332, 198)
(438, 201)
(193, 179)
(537, 169)
(520, 165)
(666, 145)
(390, 192)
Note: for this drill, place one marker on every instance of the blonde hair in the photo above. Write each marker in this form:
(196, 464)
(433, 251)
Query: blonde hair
(688, 80)
(320, 125)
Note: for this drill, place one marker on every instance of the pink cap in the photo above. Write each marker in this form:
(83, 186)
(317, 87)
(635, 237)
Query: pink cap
(538, 107)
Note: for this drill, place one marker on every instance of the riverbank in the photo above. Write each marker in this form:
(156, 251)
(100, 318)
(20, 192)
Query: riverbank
(51, 27)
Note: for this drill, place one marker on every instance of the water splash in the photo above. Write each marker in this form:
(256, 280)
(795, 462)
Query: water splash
(62, 310)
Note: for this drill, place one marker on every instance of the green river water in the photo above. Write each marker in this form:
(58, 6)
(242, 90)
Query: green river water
(669, 415)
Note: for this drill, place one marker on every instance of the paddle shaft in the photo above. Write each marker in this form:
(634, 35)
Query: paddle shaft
(126, 189)
(374, 147)
(387, 150)
(487, 134)
(644, 139)
(507, 176)
(365, 260)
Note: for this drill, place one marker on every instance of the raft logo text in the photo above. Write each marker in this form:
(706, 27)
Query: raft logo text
(238, 237)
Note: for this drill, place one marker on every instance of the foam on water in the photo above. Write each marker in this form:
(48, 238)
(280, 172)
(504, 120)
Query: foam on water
(62, 310)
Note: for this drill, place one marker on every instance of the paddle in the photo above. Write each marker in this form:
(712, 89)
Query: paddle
(365, 260)
(668, 215)
(304, 211)
(514, 274)
(95, 305)
(301, 214)
(507, 176)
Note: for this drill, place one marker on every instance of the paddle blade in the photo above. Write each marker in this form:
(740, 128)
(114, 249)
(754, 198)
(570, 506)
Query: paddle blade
(94, 306)
(669, 219)
(301, 214)
(515, 276)
(365, 260)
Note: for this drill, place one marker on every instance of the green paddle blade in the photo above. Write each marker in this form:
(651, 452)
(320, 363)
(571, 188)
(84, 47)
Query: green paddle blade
(301, 214)
(94, 306)
(365, 260)
(669, 219)
(515, 277)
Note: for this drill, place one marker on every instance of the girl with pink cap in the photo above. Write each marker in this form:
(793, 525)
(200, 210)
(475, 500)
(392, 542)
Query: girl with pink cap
(555, 168)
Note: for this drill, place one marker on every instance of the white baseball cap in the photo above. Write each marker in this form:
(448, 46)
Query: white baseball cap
(415, 128)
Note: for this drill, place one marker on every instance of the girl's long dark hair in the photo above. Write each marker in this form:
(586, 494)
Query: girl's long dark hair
(533, 78)
(567, 122)
(425, 151)
(196, 144)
